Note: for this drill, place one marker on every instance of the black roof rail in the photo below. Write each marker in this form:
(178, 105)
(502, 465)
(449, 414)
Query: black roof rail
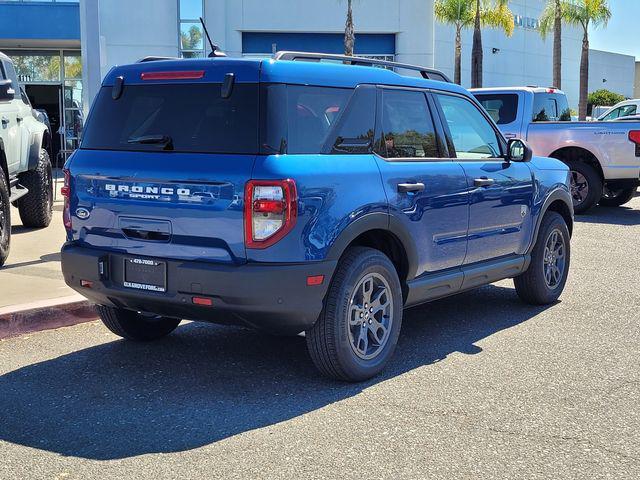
(154, 59)
(428, 73)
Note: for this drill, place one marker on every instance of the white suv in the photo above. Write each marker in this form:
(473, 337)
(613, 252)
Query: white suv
(622, 109)
(25, 168)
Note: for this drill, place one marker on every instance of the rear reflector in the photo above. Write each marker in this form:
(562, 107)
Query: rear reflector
(206, 302)
(185, 75)
(86, 283)
(315, 280)
(66, 194)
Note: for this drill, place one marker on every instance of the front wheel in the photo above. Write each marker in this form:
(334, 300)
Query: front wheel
(358, 329)
(544, 280)
(617, 198)
(5, 219)
(135, 325)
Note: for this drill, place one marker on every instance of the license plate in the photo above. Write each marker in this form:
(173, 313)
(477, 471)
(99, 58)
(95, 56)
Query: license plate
(143, 274)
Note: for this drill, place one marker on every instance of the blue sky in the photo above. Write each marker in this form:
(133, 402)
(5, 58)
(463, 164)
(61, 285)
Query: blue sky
(621, 35)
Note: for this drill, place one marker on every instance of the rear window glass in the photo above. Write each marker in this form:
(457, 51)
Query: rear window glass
(178, 117)
(549, 107)
(298, 119)
(502, 108)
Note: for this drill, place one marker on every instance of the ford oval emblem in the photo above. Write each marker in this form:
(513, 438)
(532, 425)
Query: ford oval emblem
(82, 213)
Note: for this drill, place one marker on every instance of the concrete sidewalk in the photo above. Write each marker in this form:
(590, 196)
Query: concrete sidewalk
(32, 272)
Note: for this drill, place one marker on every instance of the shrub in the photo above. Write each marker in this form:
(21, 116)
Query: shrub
(604, 98)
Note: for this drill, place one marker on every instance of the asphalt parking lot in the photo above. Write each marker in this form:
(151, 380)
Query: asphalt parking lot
(481, 386)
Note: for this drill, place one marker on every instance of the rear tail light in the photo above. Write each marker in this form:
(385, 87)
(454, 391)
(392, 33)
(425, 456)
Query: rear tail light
(270, 211)
(634, 136)
(66, 193)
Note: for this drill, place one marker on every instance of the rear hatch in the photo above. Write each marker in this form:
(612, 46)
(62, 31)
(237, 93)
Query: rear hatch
(166, 152)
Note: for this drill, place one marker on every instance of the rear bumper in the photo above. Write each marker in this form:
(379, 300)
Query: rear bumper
(271, 297)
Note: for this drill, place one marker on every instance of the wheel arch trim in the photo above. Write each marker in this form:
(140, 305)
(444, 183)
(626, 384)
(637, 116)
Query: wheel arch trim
(377, 221)
(557, 194)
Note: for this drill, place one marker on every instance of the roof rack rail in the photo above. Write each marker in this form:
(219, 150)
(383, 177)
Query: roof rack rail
(428, 73)
(154, 59)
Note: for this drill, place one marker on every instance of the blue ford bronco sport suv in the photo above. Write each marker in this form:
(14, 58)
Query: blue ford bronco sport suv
(297, 194)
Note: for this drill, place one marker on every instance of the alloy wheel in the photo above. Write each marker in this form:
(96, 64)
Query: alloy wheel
(370, 316)
(554, 259)
(579, 188)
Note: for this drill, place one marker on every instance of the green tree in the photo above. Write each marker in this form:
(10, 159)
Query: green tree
(552, 17)
(585, 14)
(464, 14)
(604, 98)
(493, 14)
(460, 14)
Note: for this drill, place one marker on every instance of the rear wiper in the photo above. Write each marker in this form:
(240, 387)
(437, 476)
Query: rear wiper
(164, 140)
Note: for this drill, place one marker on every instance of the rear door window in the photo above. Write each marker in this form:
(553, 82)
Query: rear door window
(407, 126)
(194, 117)
(502, 108)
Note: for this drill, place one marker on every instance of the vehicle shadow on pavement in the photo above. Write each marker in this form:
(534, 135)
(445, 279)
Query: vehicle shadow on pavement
(611, 216)
(205, 383)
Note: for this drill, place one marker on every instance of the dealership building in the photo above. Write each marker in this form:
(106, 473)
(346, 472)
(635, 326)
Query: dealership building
(64, 48)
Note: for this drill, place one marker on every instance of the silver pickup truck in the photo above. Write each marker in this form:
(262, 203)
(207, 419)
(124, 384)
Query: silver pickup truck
(604, 157)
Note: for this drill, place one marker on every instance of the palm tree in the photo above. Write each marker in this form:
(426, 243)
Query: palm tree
(552, 15)
(460, 14)
(490, 13)
(349, 31)
(585, 13)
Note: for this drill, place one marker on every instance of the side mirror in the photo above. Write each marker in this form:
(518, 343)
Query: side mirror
(6, 90)
(518, 151)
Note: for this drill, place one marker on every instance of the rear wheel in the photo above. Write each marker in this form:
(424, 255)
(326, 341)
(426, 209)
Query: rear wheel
(586, 186)
(358, 329)
(135, 325)
(36, 207)
(544, 280)
(5, 219)
(617, 198)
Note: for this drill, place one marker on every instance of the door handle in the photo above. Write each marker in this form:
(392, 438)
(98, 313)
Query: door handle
(5, 121)
(410, 187)
(19, 119)
(483, 182)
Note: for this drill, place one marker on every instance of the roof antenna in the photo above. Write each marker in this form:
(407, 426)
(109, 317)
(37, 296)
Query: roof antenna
(215, 49)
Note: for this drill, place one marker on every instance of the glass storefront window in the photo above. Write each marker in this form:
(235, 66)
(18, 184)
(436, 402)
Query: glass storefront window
(36, 66)
(72, 65)
(191, 36)
(190, 32)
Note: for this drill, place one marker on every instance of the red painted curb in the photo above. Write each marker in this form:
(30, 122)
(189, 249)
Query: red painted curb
(18, 321)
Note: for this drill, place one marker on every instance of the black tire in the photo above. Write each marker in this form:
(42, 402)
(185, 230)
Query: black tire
(136, 326)
(584, 178)
(533, 286)
(5, 219)
(36, 207)
(617, 198)
(329, 341)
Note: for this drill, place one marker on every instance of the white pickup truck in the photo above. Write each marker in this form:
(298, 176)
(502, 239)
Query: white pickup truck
(604, 157)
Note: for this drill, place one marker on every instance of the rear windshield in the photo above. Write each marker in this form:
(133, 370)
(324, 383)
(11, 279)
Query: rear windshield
(502, 107)
(177, 117)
